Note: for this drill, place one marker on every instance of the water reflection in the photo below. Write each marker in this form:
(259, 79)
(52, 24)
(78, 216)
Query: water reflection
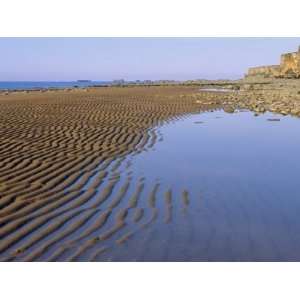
(240, 173)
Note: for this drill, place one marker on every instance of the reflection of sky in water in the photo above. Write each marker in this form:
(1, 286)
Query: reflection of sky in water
(224, 146)
(241, 173)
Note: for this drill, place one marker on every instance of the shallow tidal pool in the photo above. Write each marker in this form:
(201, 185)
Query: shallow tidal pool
(212, 186)
(240, 173)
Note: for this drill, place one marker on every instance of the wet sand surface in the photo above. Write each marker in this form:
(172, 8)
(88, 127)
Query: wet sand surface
(144, 174)
(62, 193)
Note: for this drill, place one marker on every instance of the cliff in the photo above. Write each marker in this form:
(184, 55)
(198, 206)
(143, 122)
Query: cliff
(266, 71)
(289, 67)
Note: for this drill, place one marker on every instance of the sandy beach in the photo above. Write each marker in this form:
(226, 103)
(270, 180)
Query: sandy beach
(64, 195)
(53, 143)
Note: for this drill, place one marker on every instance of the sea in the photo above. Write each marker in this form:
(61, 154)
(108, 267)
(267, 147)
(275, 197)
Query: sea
(31, 85)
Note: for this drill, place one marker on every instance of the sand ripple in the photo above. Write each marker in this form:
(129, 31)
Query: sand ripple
(66, 191)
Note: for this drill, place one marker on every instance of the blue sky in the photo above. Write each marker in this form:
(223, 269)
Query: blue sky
(136, 58)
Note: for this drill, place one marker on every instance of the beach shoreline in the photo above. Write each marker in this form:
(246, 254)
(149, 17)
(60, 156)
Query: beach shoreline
(62, 151)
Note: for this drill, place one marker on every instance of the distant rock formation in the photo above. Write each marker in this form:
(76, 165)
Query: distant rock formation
(289, 67)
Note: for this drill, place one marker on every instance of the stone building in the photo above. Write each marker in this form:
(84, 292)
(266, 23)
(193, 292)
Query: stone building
(289, 67)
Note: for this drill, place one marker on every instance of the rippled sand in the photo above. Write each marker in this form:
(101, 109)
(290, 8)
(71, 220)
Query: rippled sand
(63, 195)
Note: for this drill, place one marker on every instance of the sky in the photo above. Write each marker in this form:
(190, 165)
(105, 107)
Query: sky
(67, 59)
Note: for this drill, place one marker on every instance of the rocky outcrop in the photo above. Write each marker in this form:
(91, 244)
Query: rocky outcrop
(290, 64)
(280, 96)
(289, 68)
(265, 71)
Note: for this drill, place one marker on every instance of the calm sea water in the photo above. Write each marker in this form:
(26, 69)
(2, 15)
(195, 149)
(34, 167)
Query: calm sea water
(242, 176)
(20, 85)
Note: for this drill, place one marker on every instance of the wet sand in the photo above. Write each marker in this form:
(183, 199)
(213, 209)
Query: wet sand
(62, 194)
(69, 190)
